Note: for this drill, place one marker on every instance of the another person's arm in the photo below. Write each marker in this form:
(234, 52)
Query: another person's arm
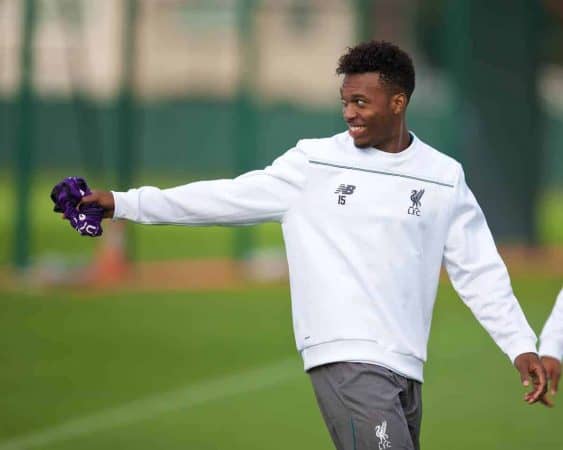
(480, 278)
(551, 344)
(257, 196)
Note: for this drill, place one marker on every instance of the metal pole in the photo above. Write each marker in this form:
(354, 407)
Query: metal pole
(87, 122)
(498, 114)
(24, 140)
(126, 138)
(457, 51)
(245, 113)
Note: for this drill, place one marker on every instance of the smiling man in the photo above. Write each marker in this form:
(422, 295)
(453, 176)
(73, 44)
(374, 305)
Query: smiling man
(368, 216)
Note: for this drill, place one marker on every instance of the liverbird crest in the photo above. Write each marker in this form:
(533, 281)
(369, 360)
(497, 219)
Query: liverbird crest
(416, 196)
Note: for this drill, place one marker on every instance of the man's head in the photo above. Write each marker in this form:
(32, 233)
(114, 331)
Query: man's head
(377, 85)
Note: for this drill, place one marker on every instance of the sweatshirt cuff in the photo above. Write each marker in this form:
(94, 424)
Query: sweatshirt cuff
(118, 205)
(516, 348)
(550, 348)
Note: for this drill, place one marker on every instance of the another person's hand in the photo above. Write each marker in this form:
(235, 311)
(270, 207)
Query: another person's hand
(532, 371)
(102, 198)
(553, 371)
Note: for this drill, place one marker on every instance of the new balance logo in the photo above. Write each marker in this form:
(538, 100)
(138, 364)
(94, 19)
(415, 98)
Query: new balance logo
(414, 210)
(344, 190)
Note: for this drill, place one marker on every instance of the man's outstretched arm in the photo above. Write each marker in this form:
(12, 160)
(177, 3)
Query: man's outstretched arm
(480, 278)
(257, 196)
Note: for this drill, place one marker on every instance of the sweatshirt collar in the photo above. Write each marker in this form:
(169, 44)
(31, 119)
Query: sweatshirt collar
(400, 156)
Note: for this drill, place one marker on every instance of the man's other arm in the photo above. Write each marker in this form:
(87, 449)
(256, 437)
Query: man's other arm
(480, 278)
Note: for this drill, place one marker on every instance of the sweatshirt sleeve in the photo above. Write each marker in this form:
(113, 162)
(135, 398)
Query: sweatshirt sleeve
(551, 339)
(254, 197)
(480, 277)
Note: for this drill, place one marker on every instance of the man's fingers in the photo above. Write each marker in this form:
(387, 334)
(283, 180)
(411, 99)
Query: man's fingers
(553, 370)
(524, 377)
(539, 372)
(540, 383)
(531, 369)
(100, 198)
(533, 374)
(532, 396)
(87, 199)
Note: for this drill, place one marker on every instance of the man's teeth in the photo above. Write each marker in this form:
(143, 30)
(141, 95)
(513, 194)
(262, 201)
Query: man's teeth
(358, 128)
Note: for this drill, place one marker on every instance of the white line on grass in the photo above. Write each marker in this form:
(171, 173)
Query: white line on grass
(154, 405)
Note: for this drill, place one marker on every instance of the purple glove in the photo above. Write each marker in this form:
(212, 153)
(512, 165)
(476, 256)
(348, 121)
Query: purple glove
(66, 195)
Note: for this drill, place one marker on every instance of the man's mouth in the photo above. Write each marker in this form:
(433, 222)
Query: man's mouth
(356, 130)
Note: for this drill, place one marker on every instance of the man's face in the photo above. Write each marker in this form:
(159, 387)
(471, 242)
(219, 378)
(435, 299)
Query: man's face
(367, 107)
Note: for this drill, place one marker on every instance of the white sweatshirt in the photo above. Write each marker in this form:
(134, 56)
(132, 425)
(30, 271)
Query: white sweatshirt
(366, 232)
(551, 338)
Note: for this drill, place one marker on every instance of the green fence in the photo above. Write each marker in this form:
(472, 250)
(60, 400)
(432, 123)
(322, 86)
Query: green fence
(196, 137)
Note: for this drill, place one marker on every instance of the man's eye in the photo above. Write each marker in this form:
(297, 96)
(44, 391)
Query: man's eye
(360, 102)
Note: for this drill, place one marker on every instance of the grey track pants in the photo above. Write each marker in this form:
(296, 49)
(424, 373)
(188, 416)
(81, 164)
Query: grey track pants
(368, 407)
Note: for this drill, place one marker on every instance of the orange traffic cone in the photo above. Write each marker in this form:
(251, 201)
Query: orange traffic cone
(110, 265)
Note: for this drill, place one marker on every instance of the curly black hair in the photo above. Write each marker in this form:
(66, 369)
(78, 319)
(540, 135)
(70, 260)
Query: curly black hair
(393, 64)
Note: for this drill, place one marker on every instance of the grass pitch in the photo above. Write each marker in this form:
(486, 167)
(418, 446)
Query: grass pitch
(214, 370)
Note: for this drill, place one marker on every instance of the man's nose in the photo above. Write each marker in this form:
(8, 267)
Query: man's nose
(349, 112)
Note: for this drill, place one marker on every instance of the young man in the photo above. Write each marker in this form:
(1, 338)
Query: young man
(368, 217)
(551, 345)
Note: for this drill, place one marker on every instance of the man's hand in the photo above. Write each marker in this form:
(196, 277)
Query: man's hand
(553, 371)
(103, 199)
(531, 370)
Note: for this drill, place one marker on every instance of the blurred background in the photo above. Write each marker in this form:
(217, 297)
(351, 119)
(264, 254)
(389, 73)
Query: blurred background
(125, 93)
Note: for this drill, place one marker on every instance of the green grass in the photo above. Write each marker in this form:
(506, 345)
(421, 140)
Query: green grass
(68, 355)
(550, 217)
(52, 238)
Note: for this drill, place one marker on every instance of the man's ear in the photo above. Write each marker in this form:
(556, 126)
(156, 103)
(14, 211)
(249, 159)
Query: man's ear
(399, 103)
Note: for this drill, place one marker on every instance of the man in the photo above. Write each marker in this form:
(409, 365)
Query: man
(368, 216)
(551, 345)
